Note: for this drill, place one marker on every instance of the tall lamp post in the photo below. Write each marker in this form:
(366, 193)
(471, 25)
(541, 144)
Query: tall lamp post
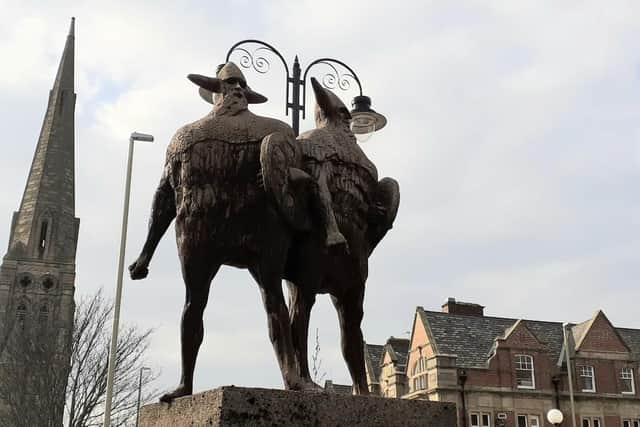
(135, 136)
(364, 121)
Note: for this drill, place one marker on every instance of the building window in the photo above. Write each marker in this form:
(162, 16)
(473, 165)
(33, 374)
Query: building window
(42, 244)
(591, 422)
(626, 377)
(524, 371)
(419, 374)
(528, 421)
(587, 379)
(480, 420)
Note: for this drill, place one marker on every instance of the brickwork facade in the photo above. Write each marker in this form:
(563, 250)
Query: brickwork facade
(511, 372)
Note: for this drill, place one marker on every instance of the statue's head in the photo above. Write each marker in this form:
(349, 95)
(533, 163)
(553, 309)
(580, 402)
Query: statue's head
(329, 108)
(228, 91)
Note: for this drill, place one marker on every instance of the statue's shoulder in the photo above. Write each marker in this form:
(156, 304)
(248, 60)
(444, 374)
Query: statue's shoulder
(260, 126)
(188, 134)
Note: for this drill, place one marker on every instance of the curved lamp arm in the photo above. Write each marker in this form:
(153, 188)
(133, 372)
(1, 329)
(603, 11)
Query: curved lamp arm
(331, 79)
(250, 59)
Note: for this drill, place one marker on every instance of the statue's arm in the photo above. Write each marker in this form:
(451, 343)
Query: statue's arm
(163, 211)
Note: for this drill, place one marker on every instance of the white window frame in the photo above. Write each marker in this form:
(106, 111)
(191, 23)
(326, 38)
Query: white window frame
(518, 363)
(526, 420)
(471, 415)
(627, 378)
(593, 421)
(480, 416)
(592, 374)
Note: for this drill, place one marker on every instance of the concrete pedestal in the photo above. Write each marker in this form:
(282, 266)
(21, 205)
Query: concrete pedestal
(238, 406)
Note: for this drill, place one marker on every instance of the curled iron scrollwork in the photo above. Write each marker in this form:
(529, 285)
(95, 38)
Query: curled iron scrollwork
(254, 59)
(334, 79)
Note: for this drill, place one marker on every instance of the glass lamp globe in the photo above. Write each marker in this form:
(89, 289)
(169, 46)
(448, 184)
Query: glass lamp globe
(363, 127)
(554, 416)
(364, 120)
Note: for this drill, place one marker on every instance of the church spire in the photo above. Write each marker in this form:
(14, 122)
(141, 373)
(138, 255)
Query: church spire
(45, 226)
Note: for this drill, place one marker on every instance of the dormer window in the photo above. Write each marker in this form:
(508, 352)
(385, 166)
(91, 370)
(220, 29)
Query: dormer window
(626, 378)
(587, 379)
(524, 371)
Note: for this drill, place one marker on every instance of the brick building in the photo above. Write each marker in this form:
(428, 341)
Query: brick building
(510, 372)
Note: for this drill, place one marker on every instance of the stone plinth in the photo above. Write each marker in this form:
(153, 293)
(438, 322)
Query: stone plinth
(238, 406)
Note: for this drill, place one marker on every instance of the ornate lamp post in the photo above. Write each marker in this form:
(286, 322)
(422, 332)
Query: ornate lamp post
(364, 122)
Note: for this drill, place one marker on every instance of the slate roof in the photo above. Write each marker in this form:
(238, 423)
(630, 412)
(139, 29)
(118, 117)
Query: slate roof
(373, 358)
(399, 348)
(632, 338)
(472, 338)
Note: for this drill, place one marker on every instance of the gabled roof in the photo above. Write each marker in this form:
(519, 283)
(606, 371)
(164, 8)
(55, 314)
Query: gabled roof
(471, 338)
(373, 358)
(586, 327)
(398, 350)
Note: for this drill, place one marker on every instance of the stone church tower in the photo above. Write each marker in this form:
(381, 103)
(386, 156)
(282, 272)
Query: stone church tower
(38, 271)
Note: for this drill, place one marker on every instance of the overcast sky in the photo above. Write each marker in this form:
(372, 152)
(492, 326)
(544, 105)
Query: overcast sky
(514, 131)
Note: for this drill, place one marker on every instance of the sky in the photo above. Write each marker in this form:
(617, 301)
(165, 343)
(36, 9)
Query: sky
(513, 130)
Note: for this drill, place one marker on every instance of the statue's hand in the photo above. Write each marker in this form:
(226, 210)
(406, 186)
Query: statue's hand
(139, 269)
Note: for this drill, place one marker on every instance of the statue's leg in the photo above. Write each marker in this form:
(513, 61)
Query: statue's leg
(301, 300)
(197, 271)
(350, 313)
(268, 275)
(325, 205)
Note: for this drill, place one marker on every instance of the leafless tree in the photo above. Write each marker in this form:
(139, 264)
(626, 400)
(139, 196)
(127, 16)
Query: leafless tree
(89, 362)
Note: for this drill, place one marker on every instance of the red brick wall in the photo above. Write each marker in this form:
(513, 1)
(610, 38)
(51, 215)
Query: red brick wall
(602, 337)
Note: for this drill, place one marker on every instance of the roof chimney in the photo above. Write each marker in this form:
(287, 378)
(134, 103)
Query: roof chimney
(465, 308)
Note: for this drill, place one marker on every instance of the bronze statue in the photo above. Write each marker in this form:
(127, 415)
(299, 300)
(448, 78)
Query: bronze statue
(364, 210)
(245, 194)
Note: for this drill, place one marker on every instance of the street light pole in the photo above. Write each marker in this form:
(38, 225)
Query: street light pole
(140, 394)
(135, 136)
(364, 120)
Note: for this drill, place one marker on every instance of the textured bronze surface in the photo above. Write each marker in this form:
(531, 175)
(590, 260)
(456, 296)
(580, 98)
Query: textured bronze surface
(245, 193)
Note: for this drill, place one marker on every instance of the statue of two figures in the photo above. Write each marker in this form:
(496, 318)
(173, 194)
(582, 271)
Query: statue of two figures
(245, 192)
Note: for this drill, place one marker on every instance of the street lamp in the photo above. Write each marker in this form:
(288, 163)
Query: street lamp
(364, 120)
(135, 136)
(555, 417)
(142, 369)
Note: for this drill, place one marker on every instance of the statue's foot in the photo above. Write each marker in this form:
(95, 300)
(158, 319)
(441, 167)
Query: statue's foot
(178, 392)
(336, 240)
(139, 269)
